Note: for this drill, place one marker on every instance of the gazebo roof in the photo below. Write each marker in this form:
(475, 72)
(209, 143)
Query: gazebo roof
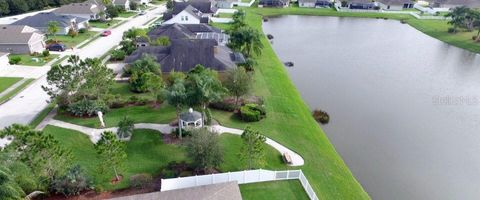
(190, 116)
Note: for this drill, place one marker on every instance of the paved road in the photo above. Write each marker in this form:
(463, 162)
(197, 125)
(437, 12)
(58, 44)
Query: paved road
(26, 105)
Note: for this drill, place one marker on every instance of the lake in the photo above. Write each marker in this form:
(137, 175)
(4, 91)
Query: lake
(404, 107)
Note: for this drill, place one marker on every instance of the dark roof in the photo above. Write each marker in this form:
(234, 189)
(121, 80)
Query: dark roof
(99, 3)
(220, 191)
(190, 116)
(184, 54)
(322, 2)
(202, 6)
(180, 31)
(395, 2)
(42, 19)
(273, 3)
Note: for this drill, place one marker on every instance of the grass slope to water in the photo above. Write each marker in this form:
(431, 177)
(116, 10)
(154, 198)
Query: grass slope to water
(291, 189)
(290, 123)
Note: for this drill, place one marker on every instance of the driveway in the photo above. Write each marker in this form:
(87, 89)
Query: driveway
(27, 104)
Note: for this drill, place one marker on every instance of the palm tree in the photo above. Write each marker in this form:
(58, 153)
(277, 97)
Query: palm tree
(176, 95)
(458, 15)
(52, 28)
(247, 40)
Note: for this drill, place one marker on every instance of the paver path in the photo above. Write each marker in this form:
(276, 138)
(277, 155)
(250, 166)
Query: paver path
(95, 134)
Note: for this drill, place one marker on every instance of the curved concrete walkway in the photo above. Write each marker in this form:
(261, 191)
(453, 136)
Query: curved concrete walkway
(95, 134)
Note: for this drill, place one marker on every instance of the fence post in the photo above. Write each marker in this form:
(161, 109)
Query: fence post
(213, 178)
(228, 176)
(244, 175)
(196, 180)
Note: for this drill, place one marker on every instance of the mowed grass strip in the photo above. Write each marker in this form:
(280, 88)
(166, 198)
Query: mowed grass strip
(6, 82)
(289, 189)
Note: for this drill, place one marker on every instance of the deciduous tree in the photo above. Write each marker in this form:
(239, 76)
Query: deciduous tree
(111, 152)
(204, 149)
(238, 82)
(252, 149)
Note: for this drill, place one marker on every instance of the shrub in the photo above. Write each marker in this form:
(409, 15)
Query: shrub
(141, 180)
(72, 183)
(72, 33)
(82, 30)
(117, 55)
(87, 107)
(46, 53)
(125, 128)
(224, 105)
(185, 133)
(451, 30)
(13, 60)
(252, 112)
(321, 116)
(474, 37)
(133, 5)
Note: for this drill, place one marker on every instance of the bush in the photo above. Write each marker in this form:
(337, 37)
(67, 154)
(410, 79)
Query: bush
(133, 5)
(321, 116)
(87, 107)
(82, 30)
(72, 183)
(474, 38)
(13, 60)
(224, 105)
(72, 33)
(141, 180)
(451, 30)
(125, 128)
(185, 133)
(252, 112)
(46, 53)
(117, 55)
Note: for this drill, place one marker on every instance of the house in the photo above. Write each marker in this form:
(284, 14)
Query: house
(189, 15)
(395, 4)
(125, 4)
(454, 3)
(360, 4)
(98, 3)
(190, 44)
(221, 191)
(83, 10)
(273, 3)
(314, 3)
(65, 22)
(19, 39)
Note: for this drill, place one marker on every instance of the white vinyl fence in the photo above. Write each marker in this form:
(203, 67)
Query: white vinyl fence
(242, 177)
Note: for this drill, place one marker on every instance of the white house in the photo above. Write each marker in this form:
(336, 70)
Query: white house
(189, 15)
(122, 3)
(395, 4)
(65, 22)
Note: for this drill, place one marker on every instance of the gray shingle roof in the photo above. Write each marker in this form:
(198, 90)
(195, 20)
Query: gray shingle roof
(221, 191)
(202, 6)
(99, 3)
(42, 19)
(179, 31)
(190, 116)
(78, 8)
(14, 34)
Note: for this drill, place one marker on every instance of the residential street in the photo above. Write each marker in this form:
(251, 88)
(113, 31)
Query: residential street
(26, 105)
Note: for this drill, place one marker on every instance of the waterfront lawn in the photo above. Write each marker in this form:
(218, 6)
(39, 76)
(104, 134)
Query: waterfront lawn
(6, 82)
(290, 189)
(29, 60)
(289, 121)
(72, 42)
(146, 153)
(15, 91)
(105, 24)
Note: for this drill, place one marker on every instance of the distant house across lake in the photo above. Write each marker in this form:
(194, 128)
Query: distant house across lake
(395, 4)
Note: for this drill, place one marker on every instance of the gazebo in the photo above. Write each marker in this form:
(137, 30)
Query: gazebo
(190, 119)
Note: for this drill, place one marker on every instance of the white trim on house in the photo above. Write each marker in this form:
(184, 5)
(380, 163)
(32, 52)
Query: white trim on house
(183, 17)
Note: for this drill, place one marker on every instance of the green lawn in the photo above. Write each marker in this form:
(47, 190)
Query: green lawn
(107, 24)
(6, 82)
(163, 115)
(30, 60)
(157, 2)
(127, 14)
(225, 15)
(16, 90)
(289, 189)
(146, 153)
(72, 42)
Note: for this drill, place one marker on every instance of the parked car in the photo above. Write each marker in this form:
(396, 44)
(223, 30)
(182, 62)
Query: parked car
(142, 13)
(57, 47)
(106, 33)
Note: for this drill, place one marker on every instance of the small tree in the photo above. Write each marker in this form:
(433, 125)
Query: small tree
(111, 11)
(72, 183)
(252, 149)
(125, 128)
(72, 33)
(238, 20)
(154, 84)
(111, 152)
(53, 28)
(238, 82)
(204, 149)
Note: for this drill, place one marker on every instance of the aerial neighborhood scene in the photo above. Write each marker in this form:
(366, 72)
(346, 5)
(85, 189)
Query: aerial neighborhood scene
(239, 99)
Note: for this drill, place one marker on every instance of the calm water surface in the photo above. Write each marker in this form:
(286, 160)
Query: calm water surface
(404, 107)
